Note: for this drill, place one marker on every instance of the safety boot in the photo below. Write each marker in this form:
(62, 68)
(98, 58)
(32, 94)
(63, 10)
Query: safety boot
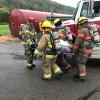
(46, 77)
(46, 74)
(59, 76)
(58, 72)
(78, 78)
(30, 66)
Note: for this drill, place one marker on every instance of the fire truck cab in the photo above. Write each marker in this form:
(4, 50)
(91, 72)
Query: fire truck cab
(91, 10)
(87, 8)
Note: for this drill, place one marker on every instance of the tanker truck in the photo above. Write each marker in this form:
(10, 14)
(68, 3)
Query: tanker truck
(19, 16)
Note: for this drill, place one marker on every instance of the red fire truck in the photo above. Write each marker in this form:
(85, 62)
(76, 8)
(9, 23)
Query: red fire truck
(91, 10)
(87, 8)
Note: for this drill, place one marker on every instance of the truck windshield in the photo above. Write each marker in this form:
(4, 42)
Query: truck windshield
(97, 8)
(75, 12)
(85, 9)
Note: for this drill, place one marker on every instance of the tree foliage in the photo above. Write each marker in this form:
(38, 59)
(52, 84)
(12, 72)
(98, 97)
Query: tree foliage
(41, 5)
(4, 14)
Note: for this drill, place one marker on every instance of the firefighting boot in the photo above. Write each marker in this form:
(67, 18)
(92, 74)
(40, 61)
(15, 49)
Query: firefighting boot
(46, 78)
(82, 75)
(46, 74)
(58, 72)
(59, 76)
(30, 66)
(78, 78)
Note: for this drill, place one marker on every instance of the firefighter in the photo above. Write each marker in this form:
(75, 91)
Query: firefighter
(83, 48)
(27, 34)
(46, 44)
(65, 36)
(59, 25)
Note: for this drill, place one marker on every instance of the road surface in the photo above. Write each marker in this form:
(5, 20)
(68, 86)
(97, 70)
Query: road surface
(18, 83)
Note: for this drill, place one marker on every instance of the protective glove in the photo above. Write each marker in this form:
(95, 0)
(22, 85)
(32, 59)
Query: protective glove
(36, 52)
(33, 47)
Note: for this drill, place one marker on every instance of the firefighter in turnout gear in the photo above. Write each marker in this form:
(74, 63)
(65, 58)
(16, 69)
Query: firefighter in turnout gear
(83, 48)
(46, 44)
(27, 34)
(65, 37)
(59, 25)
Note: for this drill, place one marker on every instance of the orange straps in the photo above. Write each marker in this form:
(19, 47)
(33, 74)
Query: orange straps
(87, 37)
(82, 36)
(82, 74)
(86, 51)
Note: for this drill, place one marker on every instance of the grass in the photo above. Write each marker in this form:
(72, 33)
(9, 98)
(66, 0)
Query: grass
(4, 30)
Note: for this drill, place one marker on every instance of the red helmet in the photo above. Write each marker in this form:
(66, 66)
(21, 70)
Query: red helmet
(31, 19)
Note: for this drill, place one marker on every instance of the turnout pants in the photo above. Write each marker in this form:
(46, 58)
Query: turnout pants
(49, 65)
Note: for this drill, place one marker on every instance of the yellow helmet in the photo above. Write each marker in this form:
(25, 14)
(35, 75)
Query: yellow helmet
(82, 20)
(46, 24)
(57, 22)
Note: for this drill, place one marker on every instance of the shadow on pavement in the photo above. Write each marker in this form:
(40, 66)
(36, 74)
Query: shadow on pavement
(93, 62)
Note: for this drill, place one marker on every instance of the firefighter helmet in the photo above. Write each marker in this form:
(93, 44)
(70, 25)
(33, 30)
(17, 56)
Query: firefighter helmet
(82, 20)
(57, 22)
(46, 24)
(31, 19)
(62, 33)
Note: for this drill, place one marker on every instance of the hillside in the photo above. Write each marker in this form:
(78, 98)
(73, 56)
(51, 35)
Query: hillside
(41, 5)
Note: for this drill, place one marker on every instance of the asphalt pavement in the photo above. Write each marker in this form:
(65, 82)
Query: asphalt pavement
(18, 83)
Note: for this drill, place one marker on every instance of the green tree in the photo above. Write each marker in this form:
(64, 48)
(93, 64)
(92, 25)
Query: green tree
(4, 14)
